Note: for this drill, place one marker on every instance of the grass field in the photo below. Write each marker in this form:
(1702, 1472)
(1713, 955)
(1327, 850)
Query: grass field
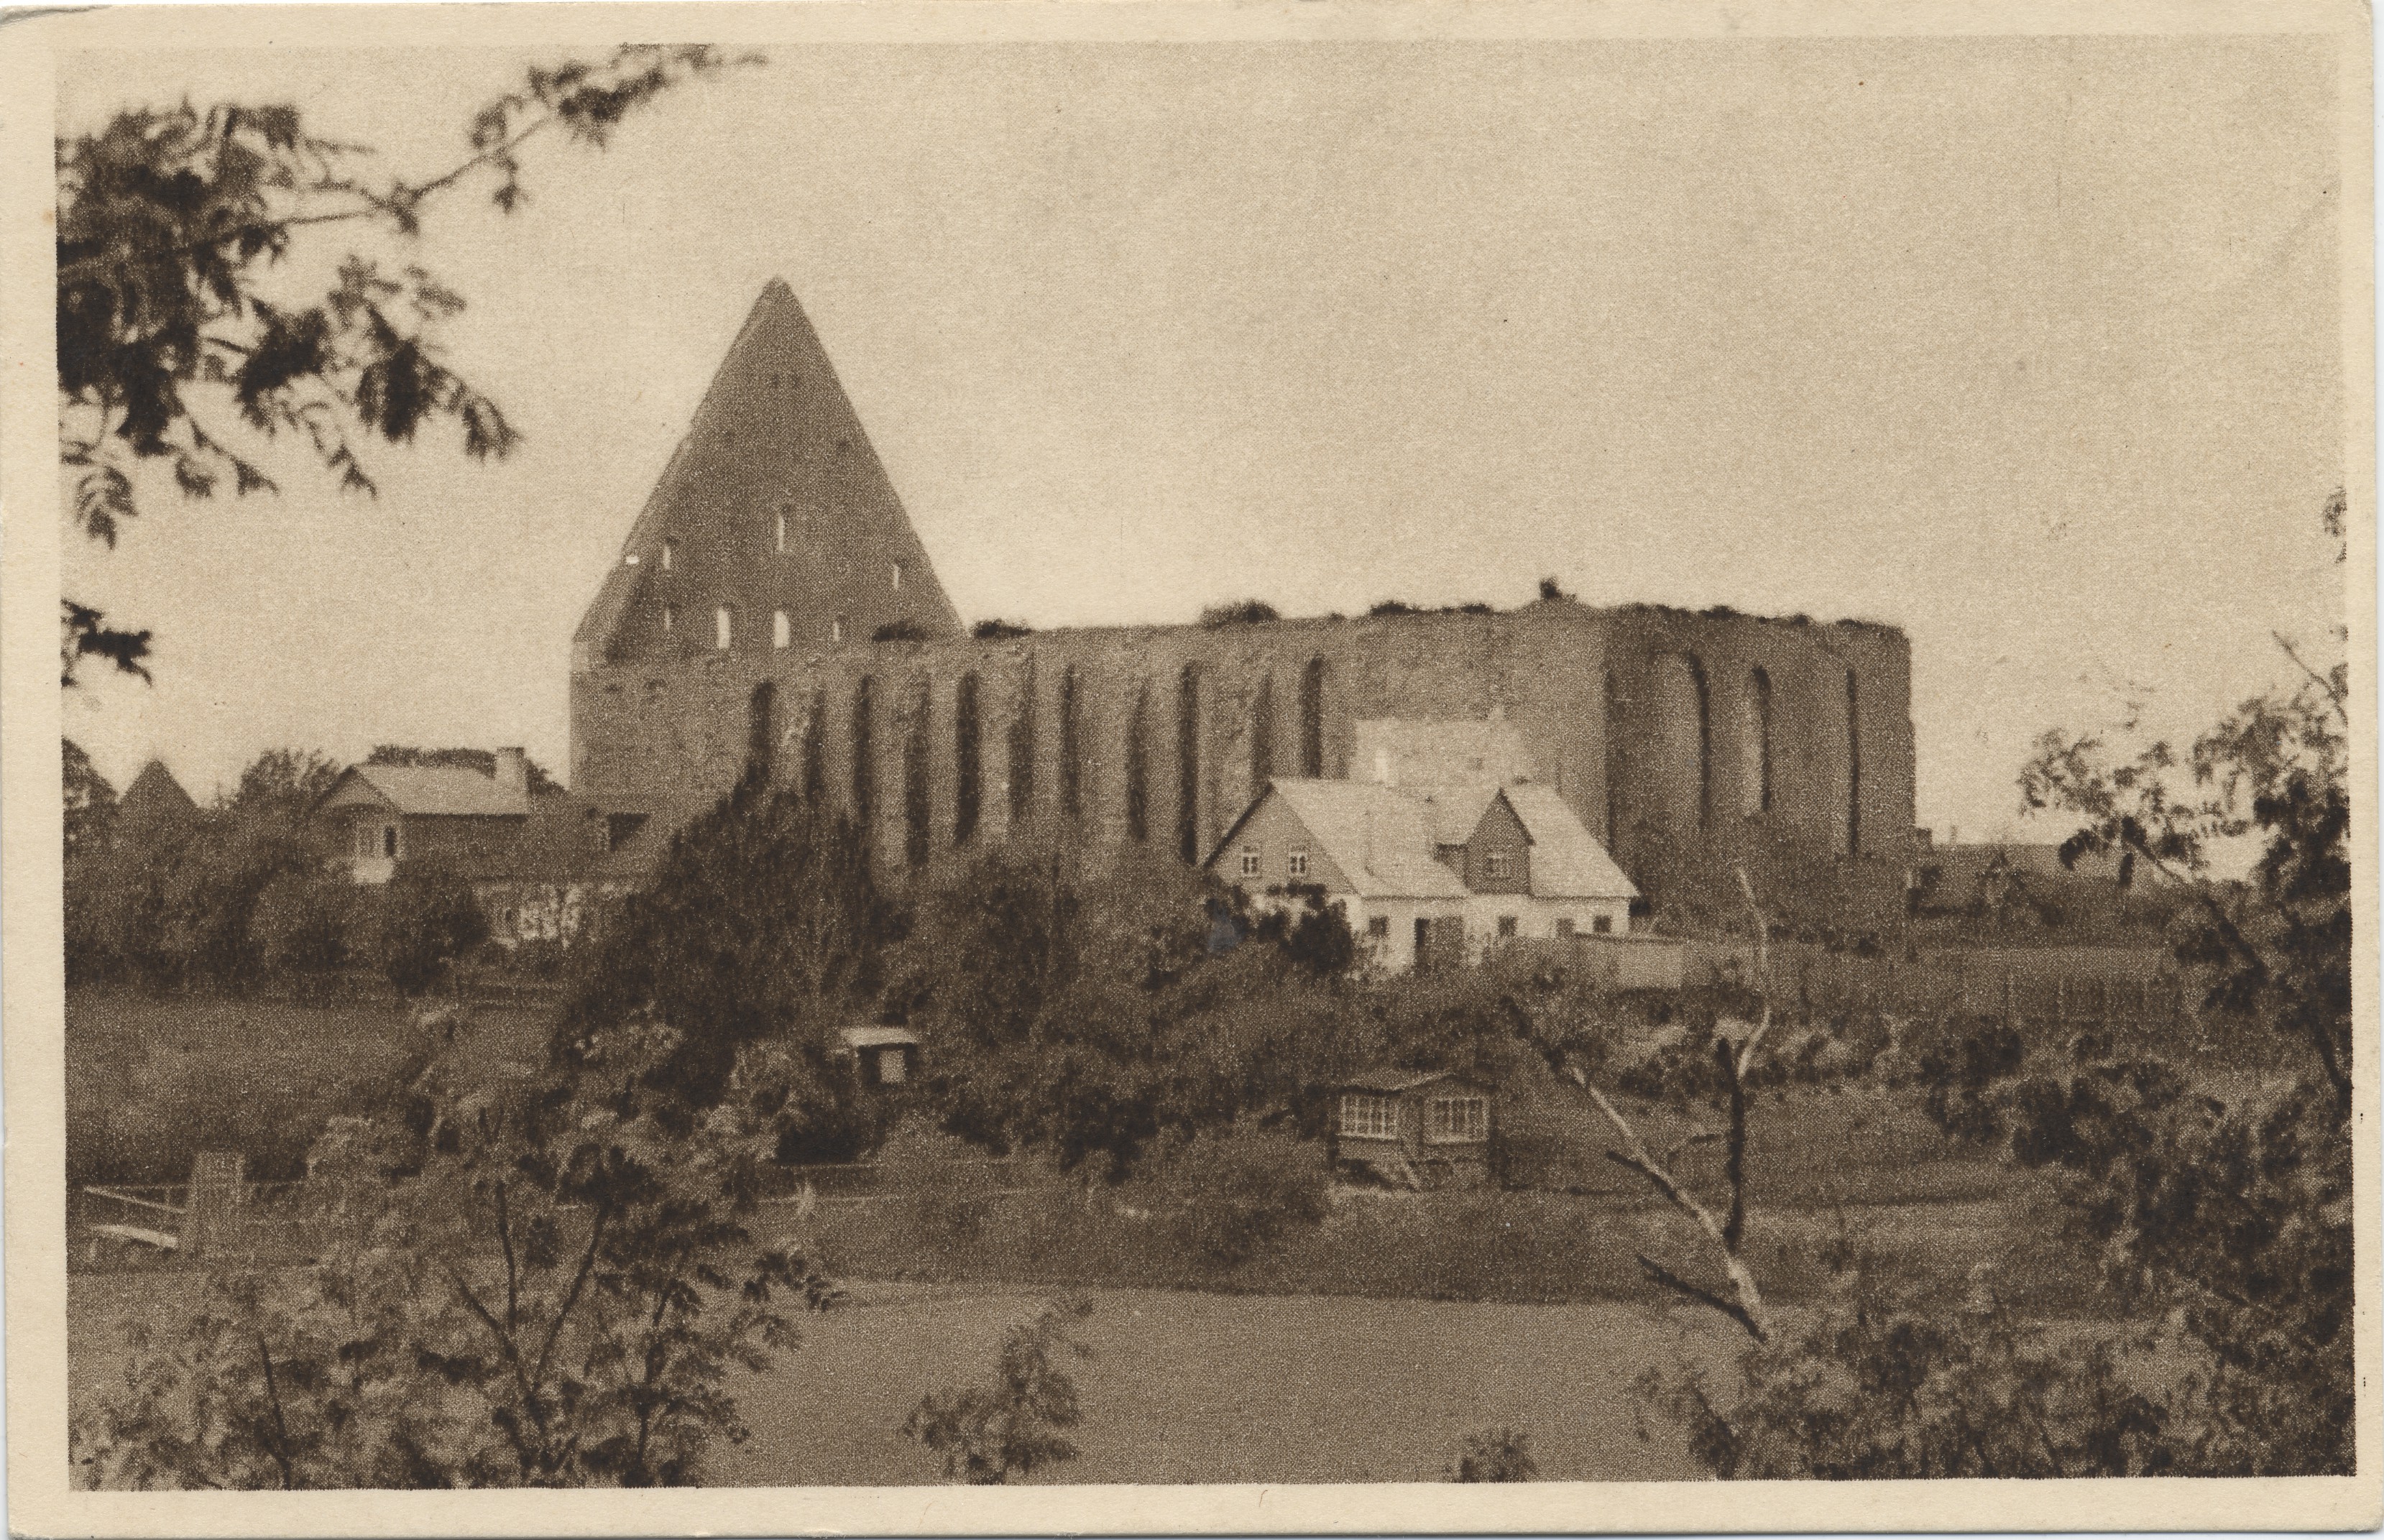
(1182, 1387)
(151, 1080)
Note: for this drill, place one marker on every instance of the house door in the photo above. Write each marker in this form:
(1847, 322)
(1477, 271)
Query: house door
(1422, 944)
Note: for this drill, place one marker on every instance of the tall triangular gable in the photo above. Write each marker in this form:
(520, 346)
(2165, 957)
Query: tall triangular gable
(774, 437)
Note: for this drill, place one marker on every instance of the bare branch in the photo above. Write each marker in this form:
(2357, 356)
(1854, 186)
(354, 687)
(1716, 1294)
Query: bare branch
(1749, 1310)
(1657, 1273)
(2334, 691)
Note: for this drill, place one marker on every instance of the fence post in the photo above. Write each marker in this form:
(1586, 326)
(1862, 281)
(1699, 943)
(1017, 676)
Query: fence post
(216, 1180)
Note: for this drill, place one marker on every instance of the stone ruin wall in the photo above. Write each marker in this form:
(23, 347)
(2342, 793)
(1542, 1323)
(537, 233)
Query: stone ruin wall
(1649, 721)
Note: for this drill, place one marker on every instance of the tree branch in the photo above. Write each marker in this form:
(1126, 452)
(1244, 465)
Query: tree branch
(1657, 1273)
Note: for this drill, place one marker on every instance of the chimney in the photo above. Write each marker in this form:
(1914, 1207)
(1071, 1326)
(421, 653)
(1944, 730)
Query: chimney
(512, 770)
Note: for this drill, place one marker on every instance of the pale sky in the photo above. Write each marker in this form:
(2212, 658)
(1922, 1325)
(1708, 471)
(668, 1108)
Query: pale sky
(2028, 346)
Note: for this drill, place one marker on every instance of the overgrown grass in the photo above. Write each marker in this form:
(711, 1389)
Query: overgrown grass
(151, 1080)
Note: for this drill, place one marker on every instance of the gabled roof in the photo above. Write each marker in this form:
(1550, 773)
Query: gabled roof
(1567, 860)
(1456, 811)
(432, 790)
(154, 793)
(1378, 836)
(1392, 1082)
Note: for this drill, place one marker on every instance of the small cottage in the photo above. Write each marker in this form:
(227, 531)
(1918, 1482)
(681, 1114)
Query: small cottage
(887, 1055)
(1413, 1128)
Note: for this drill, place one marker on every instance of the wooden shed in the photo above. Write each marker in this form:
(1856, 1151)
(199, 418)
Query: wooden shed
(888, 1054)
(1414, 1128)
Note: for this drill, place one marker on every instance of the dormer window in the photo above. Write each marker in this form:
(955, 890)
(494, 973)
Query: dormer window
(670, 555)
(1500, 864)
(723, 624)
(782, 630)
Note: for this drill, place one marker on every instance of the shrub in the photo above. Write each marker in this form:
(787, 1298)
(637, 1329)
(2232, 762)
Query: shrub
(1000, 630)
(1495, 1454)
(556, 1299)
(1239, 1192)
(427, 918)
(1020, 1424)
(1241, 612)
(303, 922)
(900, 630)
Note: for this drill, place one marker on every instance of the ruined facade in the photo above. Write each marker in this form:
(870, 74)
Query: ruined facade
(738, 626)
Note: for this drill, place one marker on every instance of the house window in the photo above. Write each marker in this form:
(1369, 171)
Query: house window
(1379, 928)
(1501, 865)
(1564, 929)
(723, 624)
(1369, 1117)
(1603, 925)
(1457, 1118)
(388, 841)
(1249, 861)
(782, 630)
(511, 924)
(1506, 924)
(897, 575)
(1296, 862)
(670, 555)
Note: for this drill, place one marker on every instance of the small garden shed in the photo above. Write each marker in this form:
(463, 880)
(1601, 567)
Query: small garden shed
(1414, 1128)
(886, 1054)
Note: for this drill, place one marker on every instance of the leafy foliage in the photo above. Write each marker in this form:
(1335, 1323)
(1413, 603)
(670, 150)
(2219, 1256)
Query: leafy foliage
(1020, 1424)
(1000, 630)
(484, 760)
(1239, 1191)
(1241, 612)
(170, 342)
(426, 919)
(90, 802)
(282, 786)
(1494, 1454)
(556, 1298)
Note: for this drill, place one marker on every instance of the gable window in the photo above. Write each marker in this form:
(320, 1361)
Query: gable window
(1296, 862)
(723, 624)
(1506, 924)
(1369, 1117)
(1457, 1118)
(670, 555)
(1379, 928)
(1249, 861)
(782, 630)
(1500, 864)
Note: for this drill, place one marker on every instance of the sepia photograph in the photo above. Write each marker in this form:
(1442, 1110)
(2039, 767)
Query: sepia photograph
(1113, 749)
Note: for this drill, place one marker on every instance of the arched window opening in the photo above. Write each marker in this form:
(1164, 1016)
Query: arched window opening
(1854, 766)
(917, 794)
(897, 575)
(1754, 744)
(1072, 765)
(724, 626)
(670, 620)
(1187, 764)
(835, 630)
(1262, 734)
(1022, 750)
(966, 766)
(760, 735)
(782, 531)
(1137, 769)
(1311, 719)
(670, 555)
(815, 748)
(782, 629)
(865, 763)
